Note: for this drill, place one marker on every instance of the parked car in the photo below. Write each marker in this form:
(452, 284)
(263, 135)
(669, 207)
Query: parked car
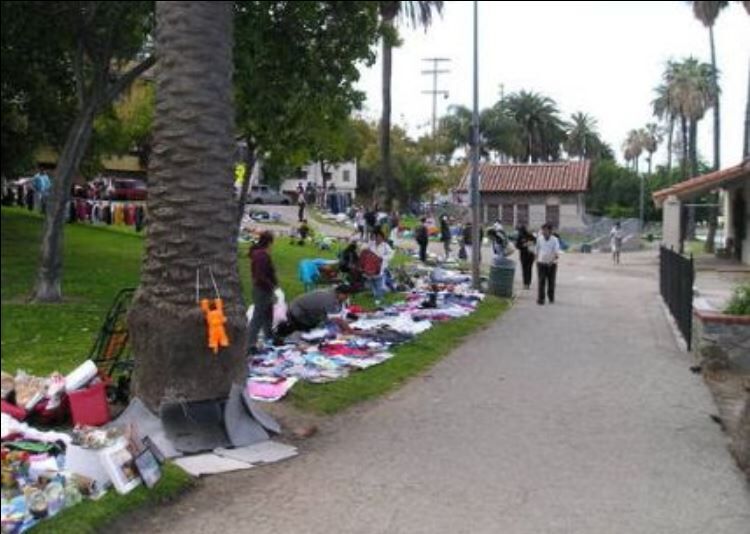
(125, 189)
(262, 194)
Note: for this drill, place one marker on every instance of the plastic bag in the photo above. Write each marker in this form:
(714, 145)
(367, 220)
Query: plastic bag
(279, 308)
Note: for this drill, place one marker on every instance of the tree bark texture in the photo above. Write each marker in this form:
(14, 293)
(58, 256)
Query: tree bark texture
(746, 147)
(192, 213)
(685, 144)
(670, 137)
(717, 108)
(49, 276)
(385, 121)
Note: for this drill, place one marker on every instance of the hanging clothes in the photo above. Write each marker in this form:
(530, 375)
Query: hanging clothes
(96, 213)
(107, 214)
(140, 214)
(72, 213)
(130, 210)
(119, 214)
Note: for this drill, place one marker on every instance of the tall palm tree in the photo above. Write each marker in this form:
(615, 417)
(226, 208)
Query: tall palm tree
(707, 12)
(540, 124)
(417, 14)
(633, 147)
(191, 228)
(583, 138)
(651, 138)
(664, 111)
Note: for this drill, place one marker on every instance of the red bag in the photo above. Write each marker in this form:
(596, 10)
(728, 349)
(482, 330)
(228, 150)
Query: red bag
(370, 263)
(14, 411)
(89, 406)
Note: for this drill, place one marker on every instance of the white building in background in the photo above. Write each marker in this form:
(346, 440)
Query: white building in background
(341, 176)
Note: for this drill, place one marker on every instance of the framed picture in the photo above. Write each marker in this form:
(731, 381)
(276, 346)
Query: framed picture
(120, 466)
(148, 468)
(149, 444)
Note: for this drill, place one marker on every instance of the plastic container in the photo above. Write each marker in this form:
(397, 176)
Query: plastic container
(81, 375)
(89, 406)
(501, 278)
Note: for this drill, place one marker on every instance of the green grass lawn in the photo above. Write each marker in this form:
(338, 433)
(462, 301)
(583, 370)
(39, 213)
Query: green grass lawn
(99, 261)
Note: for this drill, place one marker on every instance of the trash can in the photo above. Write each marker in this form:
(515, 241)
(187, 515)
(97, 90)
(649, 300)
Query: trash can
(502, 273)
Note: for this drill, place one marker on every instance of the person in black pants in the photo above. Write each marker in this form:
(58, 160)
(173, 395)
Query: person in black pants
(547, 252)
(526, 244)
(422, 236)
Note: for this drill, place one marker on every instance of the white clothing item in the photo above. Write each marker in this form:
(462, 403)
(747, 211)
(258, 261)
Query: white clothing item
(547, 250)
(385, 252)
(615, 238)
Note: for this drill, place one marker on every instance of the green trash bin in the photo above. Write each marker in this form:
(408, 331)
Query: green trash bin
(502, 273)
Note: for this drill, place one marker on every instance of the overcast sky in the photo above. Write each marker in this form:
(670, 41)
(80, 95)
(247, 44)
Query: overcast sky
(603, 58)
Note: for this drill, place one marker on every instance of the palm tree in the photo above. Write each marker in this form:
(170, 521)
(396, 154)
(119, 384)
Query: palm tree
(707, 12)
(191, 226)
(417, 14)
(651, 138)
(583, 139)
(664, 111)
(691, 94)
(540, 125)
(633, 147)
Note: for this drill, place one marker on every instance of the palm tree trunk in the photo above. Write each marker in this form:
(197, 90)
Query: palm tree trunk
(746, 147)
(685, 145)
(693, 147)
(670, 138)
(191, 219)
(717, 110)
(385, 120)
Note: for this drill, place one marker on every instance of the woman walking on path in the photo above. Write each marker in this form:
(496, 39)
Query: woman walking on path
(264, 284)
(526, 245)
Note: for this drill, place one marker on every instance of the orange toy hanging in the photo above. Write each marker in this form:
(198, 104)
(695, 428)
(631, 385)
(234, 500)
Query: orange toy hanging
(215, 320)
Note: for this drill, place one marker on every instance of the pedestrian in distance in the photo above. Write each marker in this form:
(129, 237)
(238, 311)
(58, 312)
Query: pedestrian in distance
(615, 241)
(526, 245)
(445, 236)
(547, 254)
(421, 235)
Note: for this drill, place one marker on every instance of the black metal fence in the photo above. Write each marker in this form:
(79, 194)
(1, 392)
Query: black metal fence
(676, 277)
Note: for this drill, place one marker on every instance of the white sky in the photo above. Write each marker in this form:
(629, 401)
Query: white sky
(602, 58)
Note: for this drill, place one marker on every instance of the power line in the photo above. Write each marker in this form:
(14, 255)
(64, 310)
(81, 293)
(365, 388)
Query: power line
(435, 71)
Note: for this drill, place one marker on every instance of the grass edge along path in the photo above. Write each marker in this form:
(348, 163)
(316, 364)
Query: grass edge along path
(410, 359)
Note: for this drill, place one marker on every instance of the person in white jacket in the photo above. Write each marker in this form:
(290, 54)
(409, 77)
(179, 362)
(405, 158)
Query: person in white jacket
(547, 254)
(383, 250)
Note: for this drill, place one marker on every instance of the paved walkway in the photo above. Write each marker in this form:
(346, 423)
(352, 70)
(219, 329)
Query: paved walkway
(581, 417)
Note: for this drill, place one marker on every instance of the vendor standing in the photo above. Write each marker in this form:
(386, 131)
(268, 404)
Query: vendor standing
(383, 250)
(314, 309)
(264, 285)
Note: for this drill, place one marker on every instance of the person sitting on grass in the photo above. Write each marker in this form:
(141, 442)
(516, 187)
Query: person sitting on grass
(304, 232)
(314, 309)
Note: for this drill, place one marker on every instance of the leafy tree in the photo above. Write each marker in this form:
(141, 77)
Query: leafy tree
(84, 54)
(295, 75)
(583, 139)
(416, 13)
(191, 212)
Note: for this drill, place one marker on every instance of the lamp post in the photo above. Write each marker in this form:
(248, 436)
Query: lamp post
(477, 245)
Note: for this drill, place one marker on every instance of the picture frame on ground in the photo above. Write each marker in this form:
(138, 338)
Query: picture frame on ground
(148, 467)
(120, 466)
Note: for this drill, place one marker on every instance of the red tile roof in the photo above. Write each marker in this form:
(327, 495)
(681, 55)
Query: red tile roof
(558, 177)
(704, 183)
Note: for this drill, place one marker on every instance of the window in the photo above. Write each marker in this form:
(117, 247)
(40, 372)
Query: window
(522, 214)
(552, 215)
(347, 176)
(507, 219)
(492, 212)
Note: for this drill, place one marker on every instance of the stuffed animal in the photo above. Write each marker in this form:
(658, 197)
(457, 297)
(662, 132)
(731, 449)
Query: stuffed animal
(215, 319)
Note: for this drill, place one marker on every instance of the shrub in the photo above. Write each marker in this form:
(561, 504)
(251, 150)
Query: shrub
(740, 302)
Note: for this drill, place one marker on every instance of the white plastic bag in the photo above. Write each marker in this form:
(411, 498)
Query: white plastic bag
(279, 308)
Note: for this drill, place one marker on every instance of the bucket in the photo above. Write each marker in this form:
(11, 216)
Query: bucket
(89, 406)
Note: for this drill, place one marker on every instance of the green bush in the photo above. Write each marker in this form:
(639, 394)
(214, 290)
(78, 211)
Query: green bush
(740, 303)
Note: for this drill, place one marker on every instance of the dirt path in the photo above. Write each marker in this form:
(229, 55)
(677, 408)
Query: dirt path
(581, 417)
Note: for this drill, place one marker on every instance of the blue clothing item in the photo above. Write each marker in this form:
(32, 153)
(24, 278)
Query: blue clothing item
(41, 182)
(377, 284)
(309, 272)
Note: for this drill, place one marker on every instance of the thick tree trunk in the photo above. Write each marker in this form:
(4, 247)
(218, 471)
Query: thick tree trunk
(49, 276)
(249, 166)
(386, 187)
(192, 213)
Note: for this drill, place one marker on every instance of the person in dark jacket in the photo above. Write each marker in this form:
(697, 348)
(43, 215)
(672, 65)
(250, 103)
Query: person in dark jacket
(526, 244)
(445, 236)
(422, 236)
(264, 285)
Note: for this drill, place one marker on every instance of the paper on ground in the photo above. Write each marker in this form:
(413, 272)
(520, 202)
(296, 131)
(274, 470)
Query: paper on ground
(266, 452)
(210, 464)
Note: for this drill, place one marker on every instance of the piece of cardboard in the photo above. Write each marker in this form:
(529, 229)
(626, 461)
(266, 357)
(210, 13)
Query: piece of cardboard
(239, 424)
(194, 427)
(210, 464)
(261, 453)
(146, 424)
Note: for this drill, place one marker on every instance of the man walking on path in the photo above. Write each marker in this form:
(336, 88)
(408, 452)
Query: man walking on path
(615, 241)
(547, 253)
(445, 236)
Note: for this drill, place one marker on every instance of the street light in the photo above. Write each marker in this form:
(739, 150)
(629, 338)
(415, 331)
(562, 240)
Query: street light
(476, 248)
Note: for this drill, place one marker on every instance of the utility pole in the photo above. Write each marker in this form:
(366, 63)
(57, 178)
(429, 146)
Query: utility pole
(476, 248)
(435, 71)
